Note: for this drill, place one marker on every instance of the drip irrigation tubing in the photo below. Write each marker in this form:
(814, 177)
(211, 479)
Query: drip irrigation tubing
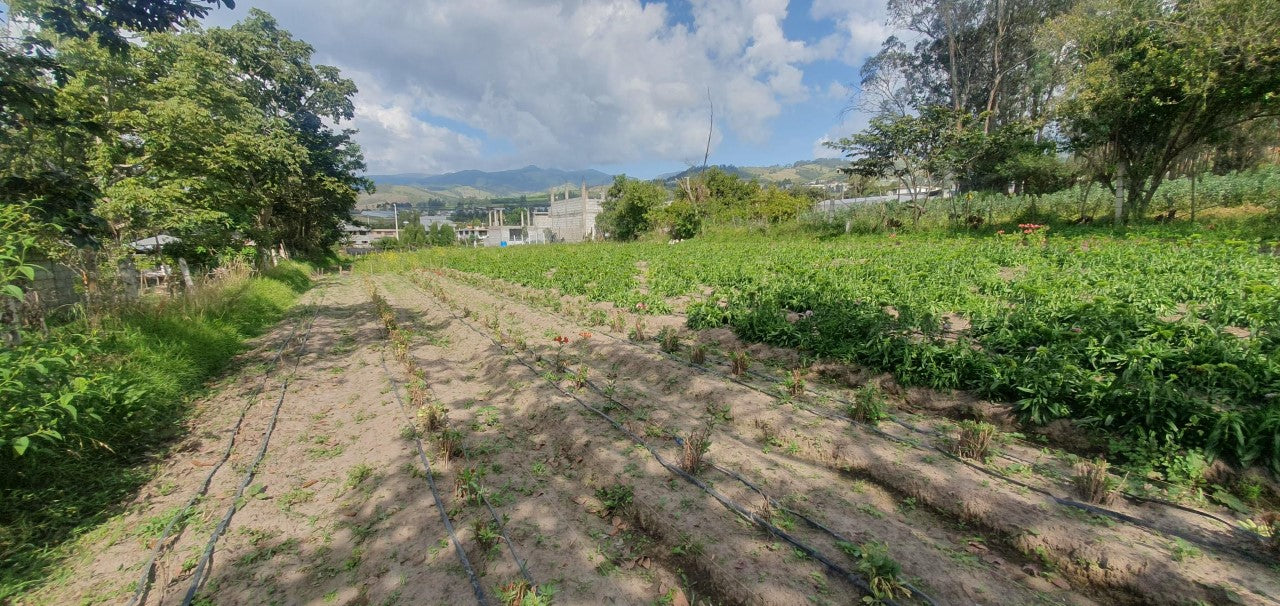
(502, 530)
(203, 566)
(149, 569)
(854, 579)
(1092, 508)
(481, 598)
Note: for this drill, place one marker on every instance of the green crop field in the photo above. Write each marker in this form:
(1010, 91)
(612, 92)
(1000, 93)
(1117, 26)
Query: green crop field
(1161, 343)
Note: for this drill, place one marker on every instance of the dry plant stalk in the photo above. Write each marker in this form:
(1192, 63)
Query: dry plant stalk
(975, 440)
(1094, 484)
(695, 446)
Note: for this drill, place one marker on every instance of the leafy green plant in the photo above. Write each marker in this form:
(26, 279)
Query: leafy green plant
(615, 498)
(882, 572)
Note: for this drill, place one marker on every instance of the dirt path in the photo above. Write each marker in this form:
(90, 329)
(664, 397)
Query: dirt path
(542, 490)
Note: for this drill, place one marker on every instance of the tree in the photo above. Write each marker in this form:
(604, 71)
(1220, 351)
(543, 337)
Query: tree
(1153, 80)
(629, 208)
(283, 84)
(441, 234)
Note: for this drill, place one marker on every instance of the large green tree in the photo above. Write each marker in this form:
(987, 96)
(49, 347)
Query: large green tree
(630, 208)
(1152, 80)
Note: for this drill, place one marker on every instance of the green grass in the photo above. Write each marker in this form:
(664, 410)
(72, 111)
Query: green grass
(130, 377)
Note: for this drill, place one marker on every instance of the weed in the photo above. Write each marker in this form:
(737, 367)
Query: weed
(618, 323)
(1094, 484)
(297, 496)
(357, 475)
(868, 406)
(1183, 550)
(883, 574)
(975, 439)
(695, 447)
(686, 545)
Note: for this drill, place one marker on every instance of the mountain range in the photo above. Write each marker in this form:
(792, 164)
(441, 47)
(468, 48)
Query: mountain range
(476, 185)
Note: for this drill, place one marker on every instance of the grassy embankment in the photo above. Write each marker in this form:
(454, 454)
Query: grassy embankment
(97, 397)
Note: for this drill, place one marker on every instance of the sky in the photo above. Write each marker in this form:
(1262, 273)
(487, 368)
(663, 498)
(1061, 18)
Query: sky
(616, 85)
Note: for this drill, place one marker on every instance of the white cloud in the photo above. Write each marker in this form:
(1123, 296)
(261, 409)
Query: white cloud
(861, 25)
(557, 82)
(838, 92)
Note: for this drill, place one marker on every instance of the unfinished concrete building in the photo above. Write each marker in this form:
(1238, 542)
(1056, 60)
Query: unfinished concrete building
(565, 220)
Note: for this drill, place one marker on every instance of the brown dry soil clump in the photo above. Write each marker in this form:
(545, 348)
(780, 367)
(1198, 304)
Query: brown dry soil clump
(340, 510)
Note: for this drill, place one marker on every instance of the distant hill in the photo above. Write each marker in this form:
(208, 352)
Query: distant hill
(529, 179)
(470, 187)
(798, 173)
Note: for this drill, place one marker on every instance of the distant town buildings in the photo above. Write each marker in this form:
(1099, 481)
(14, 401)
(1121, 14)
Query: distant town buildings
(565, 219)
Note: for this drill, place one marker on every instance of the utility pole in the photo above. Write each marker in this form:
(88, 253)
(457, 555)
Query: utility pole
(395, 208)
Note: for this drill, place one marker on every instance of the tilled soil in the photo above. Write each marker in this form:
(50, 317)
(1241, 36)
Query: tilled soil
(339, 510)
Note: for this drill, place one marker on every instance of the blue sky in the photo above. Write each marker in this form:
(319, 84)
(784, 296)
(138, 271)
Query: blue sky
(618, 85)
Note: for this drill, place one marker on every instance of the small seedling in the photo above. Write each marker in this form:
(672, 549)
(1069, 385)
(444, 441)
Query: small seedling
(696, 446)
(699, 354)
(618, 322)
(974, 441)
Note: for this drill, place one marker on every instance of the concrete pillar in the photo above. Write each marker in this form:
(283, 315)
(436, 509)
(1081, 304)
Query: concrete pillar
(584, 211)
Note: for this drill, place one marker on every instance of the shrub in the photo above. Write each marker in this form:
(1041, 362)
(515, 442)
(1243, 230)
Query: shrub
(868, 406)
(975, 440)
(1094, 484)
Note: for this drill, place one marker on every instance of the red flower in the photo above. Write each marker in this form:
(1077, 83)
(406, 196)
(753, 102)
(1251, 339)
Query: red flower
(561, 339)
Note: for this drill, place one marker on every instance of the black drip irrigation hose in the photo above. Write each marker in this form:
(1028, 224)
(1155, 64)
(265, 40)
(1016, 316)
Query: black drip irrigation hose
(203, 566)
(502, 529)
(149, 569)
(1094, 509)
(854, 579)
(481, 598)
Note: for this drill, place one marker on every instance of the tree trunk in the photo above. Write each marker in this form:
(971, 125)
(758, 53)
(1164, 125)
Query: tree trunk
(1121, 168)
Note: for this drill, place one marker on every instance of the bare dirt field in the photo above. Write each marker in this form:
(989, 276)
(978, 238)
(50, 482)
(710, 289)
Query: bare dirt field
(436, 439)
